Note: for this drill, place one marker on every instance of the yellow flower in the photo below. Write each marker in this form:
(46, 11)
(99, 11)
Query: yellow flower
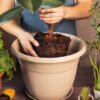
(10, 92)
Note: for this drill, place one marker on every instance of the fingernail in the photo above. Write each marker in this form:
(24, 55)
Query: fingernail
(41, 11)
(36, 44)
(35, 55)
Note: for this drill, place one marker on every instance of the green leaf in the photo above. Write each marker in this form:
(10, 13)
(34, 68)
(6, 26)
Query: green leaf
(95, 75)
(31, 5)
(98, 27)
(93, 22)
(97, 85)
(94, 64)
(4, 63)
(27, 4)
(12, 63)
(11, 14)
(98, 14)
(63, 1)
(96, 4)
(1, 70)
(36, 4)
(9, 74)
(1, 44)
(7, 64)
(52, 3)
(94, 7)
(1, 34)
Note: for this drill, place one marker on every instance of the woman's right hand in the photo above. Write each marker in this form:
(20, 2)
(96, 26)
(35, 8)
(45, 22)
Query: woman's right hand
(26, 39)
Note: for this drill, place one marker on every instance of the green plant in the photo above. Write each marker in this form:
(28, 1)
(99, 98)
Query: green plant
(6, 63)
(31, 5)
(85, 93)
(95, 12)
(96, 71)
(95, 45)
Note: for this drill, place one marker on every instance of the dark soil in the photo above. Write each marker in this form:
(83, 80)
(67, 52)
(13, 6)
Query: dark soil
(4, 97)
(51, 46)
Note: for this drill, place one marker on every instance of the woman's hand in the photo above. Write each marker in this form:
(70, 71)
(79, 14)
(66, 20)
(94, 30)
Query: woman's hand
(26, 39)
(52, 15)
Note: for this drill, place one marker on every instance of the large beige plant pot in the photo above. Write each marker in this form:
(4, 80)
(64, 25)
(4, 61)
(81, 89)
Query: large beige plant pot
(50, 78)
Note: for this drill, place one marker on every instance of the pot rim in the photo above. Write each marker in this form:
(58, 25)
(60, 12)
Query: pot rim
(96, 90)
(89, 95)
(50, 60)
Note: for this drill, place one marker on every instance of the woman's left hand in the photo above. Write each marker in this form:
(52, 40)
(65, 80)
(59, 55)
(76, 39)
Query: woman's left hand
(52, 15)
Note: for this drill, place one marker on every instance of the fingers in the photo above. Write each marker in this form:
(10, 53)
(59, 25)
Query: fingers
(45, 11)
(51, 10)
(29, 50)
(52, 15)
(34, 41)
(26, 41)
(52, 20)
(32, 52)
(49, 15)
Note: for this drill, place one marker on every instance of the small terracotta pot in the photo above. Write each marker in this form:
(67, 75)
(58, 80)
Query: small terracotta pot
(92, 98)
(50, 78)
(96, 93)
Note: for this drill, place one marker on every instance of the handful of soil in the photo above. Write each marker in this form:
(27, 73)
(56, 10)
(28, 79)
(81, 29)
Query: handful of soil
(55, 46)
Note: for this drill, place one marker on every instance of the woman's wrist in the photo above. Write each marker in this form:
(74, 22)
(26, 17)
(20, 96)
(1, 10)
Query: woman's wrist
(20, 34)
(66, 11)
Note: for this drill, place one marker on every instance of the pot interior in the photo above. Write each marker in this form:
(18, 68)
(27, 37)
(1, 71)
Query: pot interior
(76, 49)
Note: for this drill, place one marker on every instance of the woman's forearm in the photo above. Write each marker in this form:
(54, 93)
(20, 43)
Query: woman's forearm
(13, 28)
(79, 11)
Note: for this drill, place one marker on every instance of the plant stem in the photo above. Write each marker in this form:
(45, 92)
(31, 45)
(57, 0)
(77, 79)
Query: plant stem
(51, 29)
(97, 84)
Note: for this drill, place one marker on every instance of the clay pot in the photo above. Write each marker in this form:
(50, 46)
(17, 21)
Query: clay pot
(50, 78)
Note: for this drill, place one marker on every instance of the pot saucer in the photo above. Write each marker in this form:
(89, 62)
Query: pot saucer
(69, 94)
(65, 98)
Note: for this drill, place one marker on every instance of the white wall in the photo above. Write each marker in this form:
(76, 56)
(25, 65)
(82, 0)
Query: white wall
(84, 29)
(87, 33)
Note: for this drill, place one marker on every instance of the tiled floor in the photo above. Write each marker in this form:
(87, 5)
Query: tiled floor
(84, 78)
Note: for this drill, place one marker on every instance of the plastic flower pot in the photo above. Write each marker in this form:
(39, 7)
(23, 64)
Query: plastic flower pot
(90, 96)
(96, 94)
(50, 78)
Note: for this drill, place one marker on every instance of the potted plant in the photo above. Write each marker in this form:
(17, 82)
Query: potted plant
(85, 94)
(52, 45)
(95, 48)
(47, 77)
(7, 67)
